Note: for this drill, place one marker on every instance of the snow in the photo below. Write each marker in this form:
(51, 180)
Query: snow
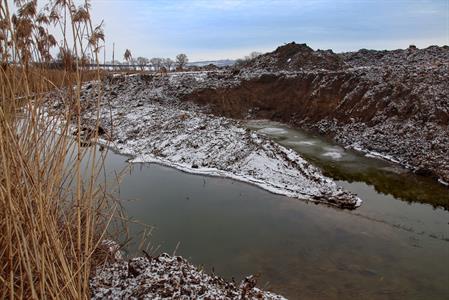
(168, 277)
(374, 154)
(443, 182)
(152, 125)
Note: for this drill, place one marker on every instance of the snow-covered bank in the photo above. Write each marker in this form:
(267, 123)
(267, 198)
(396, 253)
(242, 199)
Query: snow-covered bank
(152, 125)
(168, 277)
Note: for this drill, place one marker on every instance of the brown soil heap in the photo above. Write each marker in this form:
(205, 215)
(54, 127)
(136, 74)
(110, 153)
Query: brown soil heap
(395, 103)
(294, 56)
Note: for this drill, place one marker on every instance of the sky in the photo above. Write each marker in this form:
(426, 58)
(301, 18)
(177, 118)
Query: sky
(210, 30)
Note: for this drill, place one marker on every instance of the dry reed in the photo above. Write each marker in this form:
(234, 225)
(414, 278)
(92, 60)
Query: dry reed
(54, 212)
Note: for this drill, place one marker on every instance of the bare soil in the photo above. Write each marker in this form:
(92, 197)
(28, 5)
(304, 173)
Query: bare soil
(392, 102)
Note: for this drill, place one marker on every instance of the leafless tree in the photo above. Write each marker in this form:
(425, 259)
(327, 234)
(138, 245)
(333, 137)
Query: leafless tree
(252, 55)
(142, 62)
(134, 63)
(168, 63)
(156, 62)
(181, 60)
(244, 61)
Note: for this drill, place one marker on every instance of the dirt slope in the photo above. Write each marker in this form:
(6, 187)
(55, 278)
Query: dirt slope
(392, 102)
(294, 56)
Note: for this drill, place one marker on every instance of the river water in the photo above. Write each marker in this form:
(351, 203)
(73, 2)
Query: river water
(395, 246)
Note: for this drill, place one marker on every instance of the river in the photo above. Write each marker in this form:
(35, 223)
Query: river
(395, 246)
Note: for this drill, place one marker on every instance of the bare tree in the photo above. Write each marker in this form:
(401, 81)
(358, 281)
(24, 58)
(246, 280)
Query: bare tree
(156, 62)
(168, 63)
(142, 62)
(134, 62)
(252, 55)
(181, 60)
(244, 61)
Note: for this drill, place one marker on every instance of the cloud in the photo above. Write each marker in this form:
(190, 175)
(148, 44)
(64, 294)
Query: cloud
(231, 28)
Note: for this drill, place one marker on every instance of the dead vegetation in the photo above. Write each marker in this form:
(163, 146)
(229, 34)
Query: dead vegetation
(54, 212)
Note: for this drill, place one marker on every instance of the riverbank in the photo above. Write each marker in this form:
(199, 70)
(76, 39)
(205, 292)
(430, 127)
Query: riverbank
(168, 277)
(142, 116)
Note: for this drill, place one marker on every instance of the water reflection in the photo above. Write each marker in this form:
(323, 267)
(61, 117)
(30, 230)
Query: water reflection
(352, 167)
(300, 250)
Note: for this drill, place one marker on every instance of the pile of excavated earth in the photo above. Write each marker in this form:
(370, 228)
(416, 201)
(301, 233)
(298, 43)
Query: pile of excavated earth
(394, 104)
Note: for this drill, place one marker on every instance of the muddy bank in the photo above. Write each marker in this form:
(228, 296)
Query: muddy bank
(391, 103)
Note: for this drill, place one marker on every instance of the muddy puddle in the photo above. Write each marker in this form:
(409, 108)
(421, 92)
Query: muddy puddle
(395, 246)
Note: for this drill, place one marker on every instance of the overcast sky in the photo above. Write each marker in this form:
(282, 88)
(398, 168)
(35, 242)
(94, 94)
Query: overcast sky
(221, 29)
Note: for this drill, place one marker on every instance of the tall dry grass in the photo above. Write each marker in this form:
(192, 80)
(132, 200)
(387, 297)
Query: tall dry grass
(54, 211)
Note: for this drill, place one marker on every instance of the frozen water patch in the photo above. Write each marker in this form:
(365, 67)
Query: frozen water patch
(272, 131)
(333, 154)
(302, 143)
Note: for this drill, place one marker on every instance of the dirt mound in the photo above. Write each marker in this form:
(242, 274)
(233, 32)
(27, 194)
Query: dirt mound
(412, 56)
(293, 57)
(391, 102)
(298, 57)
(400, 111)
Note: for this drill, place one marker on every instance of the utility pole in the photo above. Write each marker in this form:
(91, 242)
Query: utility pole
(113, 59)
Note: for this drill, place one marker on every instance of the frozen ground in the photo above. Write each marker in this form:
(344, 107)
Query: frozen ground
(142, 117)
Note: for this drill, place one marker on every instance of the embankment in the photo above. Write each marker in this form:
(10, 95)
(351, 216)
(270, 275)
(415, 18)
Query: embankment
(400, 112)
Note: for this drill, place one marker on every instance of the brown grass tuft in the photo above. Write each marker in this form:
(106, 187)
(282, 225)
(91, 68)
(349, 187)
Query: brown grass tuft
(54, 213)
